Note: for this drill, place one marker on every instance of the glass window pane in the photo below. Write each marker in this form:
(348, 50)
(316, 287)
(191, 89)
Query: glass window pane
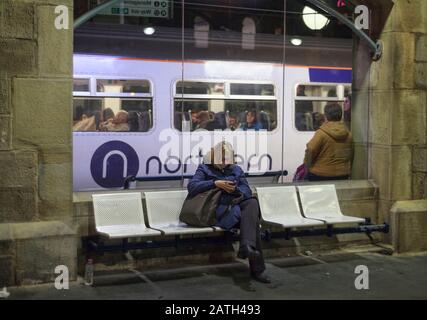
(186, 87)
(81, 85)
(309, 115)
(217, 114)
(86, 114)
(316, 91)
(123, 86)
(112, 114)
(252, 89)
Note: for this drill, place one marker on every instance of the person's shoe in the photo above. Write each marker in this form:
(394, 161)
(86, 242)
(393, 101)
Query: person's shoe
(246, 252)
(261, 277)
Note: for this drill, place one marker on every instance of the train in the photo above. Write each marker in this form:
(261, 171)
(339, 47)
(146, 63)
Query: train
(162, 98)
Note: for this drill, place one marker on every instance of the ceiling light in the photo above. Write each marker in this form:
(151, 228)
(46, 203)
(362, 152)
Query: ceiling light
(149, 31)
(296, 41)
(313, 19)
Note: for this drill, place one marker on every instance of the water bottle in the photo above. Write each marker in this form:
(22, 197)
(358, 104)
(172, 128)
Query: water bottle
(89, 272)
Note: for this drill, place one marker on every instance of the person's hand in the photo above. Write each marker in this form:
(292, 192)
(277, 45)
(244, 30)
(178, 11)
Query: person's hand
(225, 185)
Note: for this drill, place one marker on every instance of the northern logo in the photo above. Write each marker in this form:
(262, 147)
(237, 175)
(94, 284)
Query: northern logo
(112, 162)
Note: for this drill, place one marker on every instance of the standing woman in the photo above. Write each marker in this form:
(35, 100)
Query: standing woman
(237, 207)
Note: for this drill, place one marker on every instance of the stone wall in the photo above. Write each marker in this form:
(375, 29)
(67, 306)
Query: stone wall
(391, 93)
(36, 226)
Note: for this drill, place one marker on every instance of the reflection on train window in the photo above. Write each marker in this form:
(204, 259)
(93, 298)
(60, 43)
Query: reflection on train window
(184, 87)
(316, 91)
(252, 89)
(119, 105)
(309, 115)
(112, 114)
(310, 102)
(130, 87)
(86, 114)
(225, 114)
(81, 85)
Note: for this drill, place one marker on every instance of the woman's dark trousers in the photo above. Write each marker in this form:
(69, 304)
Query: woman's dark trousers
(250, 232)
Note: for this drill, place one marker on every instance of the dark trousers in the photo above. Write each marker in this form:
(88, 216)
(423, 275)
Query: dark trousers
(313, 177)
(249, 232)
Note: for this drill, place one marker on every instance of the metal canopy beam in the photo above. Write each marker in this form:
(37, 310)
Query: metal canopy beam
(376, 47)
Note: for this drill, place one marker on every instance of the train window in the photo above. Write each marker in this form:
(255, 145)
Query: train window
(119, 105)
(123, 87)
(81, 85)
(309, 115)
(317, 91)
(310, 102)
(86, 114)
(112, 114)
(225, 114)
(214, 88)
(251, 89)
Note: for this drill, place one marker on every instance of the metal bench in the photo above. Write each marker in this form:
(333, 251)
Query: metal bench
(279, 206)
(163, 210)
(120, 215)
(320, 202)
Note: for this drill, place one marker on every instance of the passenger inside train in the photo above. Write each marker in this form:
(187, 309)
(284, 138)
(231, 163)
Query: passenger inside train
(252, 122)
(118, 123)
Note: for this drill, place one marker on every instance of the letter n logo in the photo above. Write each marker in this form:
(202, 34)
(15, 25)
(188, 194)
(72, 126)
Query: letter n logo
(112, 162)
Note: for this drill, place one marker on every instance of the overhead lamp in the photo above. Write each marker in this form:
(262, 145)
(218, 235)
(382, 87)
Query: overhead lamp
(313, 19)
(149, 30)
(296, 41)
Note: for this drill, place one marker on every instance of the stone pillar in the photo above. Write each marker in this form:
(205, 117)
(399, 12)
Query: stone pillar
(36, 226)
(391, 96)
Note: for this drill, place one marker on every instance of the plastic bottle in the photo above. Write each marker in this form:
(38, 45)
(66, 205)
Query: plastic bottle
(89, 272)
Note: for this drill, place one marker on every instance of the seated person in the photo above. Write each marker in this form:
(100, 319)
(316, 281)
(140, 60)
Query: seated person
(87, 123)
(318, 120)
(107, 114)
(119, 123)
(204, 121)
(237, 208)
(251, 121)
(233, 123)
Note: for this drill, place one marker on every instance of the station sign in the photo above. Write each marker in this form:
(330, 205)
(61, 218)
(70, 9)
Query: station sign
(141, 8)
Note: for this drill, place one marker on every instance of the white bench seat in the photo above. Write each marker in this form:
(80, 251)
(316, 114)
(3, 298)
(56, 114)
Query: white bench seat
(279, 206)
(127, 231)
(120, 215)
(321, 202)
(163, 209)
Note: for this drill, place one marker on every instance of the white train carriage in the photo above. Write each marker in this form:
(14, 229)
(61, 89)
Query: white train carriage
(162, 98)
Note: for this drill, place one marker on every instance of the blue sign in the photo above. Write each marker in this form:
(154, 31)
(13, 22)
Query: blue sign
(112, 162)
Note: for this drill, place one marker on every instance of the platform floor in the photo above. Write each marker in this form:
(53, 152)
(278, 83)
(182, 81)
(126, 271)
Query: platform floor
(326, 276)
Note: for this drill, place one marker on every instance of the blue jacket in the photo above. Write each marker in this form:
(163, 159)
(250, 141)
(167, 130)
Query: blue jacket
(255, 126)
(204, 179)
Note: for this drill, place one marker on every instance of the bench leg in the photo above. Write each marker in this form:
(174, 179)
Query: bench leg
(125, 245)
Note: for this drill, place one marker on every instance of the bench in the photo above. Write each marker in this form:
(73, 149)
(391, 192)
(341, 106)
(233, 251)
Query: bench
(279, 206)
(320, 202)
(163, 210)
(122, 216)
